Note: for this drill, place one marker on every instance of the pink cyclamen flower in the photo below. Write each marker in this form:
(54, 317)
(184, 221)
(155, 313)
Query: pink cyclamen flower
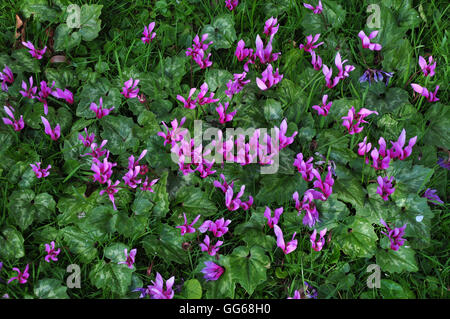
(28, 92)
(352, 120)
(307, 204)
(290, 246)
(202, 61)
(212, 271)
(271, 221)
(265, 54)
(157, 291)
(231, 4)
(129, 89)
(111, 190)
(430, 96)
(343, 71)
(385, 188)
(99, 110)
(366, 44)
(271, 27)
(234, 204)
(380, 157)
(324, 108)
(102, 170)
(316, 61)
(427, 69)
(201, 99)
(316, 10)
(431, 195)
(54, 133)
(129, 259)
(269, 78)
(185, 228)
(66, 95)
(51, 252)
(317, 245)
(281, 133)
(88, 140)
(304, 168)
(45, 92)
(223, 186)
(223, 116)
(241, 51)
(175, 134)
(218, 228)
(397, 150)
(132, 163)
(6, 77)
(208, 247)
(97, 152)
(35, 53)
(364, 148)
(148, 35)
(130, 177)
(236, 84)
(17, 125)
(190, 103)
(310, 43)
(40, 172)
(325, 186)
(395, 235)
(22, 277)
(146, 186)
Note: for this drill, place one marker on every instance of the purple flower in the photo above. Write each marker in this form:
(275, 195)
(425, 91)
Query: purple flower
(223, 116)
(324, 108)
(22, 277)
(281, 133)
(190, 103)
(241, 51)
(35, 53)
(234, 204)
(326, 186)
(271, 27)
(397, 149)
(353, 121)
(316, 10)
(366, 41)
(102, 170)
(17, 125)
(97, 152)
(343, 71)
(364, 148)
(376, 75)
(236, 85)
(6, 77)
(231, 4)
(45, 92)
(175, 134)
(129, 259)
(40, 172)
(307, 204)
(132, 163)
(66, 95)
(99, 110)
(201, 99)
(305, 292)
(427, 69)
(431, 195)
(218, 228)
(304, 168)
(385, 187)
(197, 52)
(430, 96)
(265, 54)
(146, 186)
(88, 140)
(317, 245)
(444, 163)
(378, 162)
(316, 61)
(212, 271)
(148, 35)
(310, 43)
(28, 92)
(290, 247)
(157, 291)
(51, 252)
(111, 190)
(185, 228)
(129, 89)
(130, 177)
(208, 247)
(395, 235)
(271, 221)
(223, 186)
(54, 133)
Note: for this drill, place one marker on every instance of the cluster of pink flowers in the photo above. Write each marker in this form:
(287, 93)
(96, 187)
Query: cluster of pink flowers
(148, 34)
(17, 125)
(395, 235)
(353, 120)
(343, 72)
(428, 70)
(35, 53)
(316, 10)
(40, 172)
(202, 99)
(156, 290)
(198, 51)
(231, 4)
(99, 110)
(6, 77)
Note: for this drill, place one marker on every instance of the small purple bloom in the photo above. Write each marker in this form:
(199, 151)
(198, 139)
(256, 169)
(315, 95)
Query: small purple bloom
(212, 271)
(40, 172)
(148, 35)
(6, 77)
(207, 246)
(52, 253)
(271, 27)
(290, 246)
(111, 190)
(395, 235)
(366, 44)
(385, 187)
(185, 228)
(28, 92)
(271, 221)
(54, 133)
(35, 53)
(99, 110)
(427, 69)
(88, 140)
(431, 195)
(231, 4)
(223, 116)
(316, 10)
(22, 277)
(157, 291)
(129, 89)
(317, 245)
(310, 43)
(430, 96)
(129, 259)
(146, 186)
(65, 95)
(324, 108)
(17, 125)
